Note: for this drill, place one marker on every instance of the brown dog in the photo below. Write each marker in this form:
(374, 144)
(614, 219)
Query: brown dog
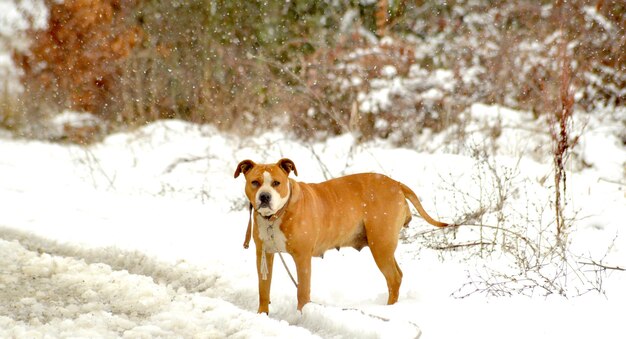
(305, 220)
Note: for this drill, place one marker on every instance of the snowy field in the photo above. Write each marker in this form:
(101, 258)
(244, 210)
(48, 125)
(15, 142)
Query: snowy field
(140, 236)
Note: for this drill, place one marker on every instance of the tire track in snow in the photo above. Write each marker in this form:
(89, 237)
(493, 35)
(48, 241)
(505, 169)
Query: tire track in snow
(186, 284)
(43, 293)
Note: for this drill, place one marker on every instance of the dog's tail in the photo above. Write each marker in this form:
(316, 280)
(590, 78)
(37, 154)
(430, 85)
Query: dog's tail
(409, 194)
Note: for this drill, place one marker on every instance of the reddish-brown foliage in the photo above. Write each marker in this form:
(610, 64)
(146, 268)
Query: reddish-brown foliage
(78, 57)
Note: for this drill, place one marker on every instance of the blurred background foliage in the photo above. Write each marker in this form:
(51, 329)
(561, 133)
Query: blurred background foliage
(317, 68)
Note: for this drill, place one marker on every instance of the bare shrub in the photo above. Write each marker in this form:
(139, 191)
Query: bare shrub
(506, 52)
(559, 131)
(373, 89)
(498, 52)
(507, 219)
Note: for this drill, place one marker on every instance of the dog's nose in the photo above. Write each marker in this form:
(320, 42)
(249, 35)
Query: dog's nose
(265, 198)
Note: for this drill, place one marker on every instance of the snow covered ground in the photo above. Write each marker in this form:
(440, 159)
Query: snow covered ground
(141, 236)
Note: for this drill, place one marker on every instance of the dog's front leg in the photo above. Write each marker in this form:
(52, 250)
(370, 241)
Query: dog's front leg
(303, 268)
(265, 279)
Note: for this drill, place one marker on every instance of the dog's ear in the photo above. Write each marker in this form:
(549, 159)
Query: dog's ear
(287, 165)
(244, 167)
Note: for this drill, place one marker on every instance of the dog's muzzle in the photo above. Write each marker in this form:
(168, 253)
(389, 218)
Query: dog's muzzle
(264, 204)
(265, 199)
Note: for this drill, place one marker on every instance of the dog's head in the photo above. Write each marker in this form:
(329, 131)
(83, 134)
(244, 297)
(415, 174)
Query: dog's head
(267, 185)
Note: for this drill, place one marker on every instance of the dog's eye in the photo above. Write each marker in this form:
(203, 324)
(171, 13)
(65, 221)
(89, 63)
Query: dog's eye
(275, 183)
(255, 184)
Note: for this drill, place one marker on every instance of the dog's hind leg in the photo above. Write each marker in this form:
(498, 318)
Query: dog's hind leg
(393, 275)
(383, 252)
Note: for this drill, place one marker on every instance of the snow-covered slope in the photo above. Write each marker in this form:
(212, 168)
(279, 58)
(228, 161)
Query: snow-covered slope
(140, 236)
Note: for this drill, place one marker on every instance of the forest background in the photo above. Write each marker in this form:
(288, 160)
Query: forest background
(318, 68)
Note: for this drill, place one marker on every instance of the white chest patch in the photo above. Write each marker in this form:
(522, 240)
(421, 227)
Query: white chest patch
(272, 237)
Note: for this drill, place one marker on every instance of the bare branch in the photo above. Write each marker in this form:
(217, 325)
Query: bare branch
(601, 265)
(455, 246)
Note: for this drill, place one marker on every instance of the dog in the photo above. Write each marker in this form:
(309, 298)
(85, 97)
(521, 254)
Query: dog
(305, 220)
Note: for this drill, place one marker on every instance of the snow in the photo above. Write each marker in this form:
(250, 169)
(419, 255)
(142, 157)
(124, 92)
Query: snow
(57, 124)
(141, 236)
(419, 84)
(599, 19)
(19, 16)
(16, 17)
(94, 300)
